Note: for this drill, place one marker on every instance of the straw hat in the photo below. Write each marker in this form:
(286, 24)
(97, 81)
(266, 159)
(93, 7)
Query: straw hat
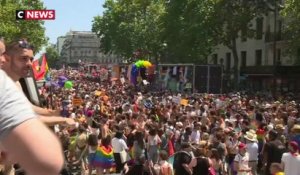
(296, 128)
(279, 127)
(252, 131)
(250, 136)
(205, 136)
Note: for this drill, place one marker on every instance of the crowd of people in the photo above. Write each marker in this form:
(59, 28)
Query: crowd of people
(112, 126)
(164, 133)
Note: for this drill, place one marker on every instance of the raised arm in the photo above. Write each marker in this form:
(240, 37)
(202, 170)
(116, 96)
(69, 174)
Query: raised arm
(23, 137)
(32, 145)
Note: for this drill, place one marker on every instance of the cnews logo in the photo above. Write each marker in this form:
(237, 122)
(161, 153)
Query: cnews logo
(35, 14)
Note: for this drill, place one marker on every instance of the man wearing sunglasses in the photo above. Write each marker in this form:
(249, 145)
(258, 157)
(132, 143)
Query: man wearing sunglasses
(23, 137)
(18, 64)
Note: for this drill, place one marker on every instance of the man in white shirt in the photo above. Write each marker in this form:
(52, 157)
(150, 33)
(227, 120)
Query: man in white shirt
(241, 161)
(291, 161)
(19, 126)
(18, 64)
(252, 149)
(119, 148)
(195, 136)
(16, 61)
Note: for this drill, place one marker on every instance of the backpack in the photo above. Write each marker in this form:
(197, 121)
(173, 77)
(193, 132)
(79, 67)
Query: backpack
(178, 158)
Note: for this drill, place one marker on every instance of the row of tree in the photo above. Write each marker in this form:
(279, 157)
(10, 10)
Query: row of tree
(183, 31)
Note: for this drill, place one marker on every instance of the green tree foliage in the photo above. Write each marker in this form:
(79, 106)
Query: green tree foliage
(12, 29)
(188, 30)
(176, 31)
(291, 12)
(130, 25)
(52, 56)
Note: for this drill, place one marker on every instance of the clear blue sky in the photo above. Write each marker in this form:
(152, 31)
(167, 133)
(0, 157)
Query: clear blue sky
(76, 15)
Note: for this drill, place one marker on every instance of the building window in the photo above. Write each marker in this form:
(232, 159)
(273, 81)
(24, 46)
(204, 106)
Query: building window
(278, 56)
(228, 61)
(258, 57)
(279, 30)
(268, 34)
(243, 58)
(215, 58)
(244, 34)
(259, 27)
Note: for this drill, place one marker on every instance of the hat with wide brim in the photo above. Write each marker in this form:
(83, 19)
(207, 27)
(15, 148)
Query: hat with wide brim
(279, 127)
(251, 136)
(296, 128)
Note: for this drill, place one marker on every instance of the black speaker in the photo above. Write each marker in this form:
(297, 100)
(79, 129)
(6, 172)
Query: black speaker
(201, 78)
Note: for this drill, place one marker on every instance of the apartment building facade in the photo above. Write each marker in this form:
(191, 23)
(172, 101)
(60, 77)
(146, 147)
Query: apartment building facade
(263, 61)
(83, 46)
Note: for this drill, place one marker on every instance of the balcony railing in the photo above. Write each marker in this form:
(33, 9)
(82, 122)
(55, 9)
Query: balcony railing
(271, 70)
(257, 70)
(269, 37)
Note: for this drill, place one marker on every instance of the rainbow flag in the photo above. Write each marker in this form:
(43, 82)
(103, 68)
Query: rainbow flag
(104, 157)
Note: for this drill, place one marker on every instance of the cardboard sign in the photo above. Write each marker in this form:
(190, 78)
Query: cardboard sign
(184, 102)
(176, 100)
(77, 101)
(98, 93)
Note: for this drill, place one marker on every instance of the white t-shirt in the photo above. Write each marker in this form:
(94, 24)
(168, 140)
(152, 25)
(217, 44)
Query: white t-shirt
(118, 145)
(243, 162)
(252, 149)
(291, 164)
(153, 141)
(195, 136)
(14, 106)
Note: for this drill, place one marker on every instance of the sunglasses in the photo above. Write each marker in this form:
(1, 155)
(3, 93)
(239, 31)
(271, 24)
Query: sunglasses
(25, 45)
